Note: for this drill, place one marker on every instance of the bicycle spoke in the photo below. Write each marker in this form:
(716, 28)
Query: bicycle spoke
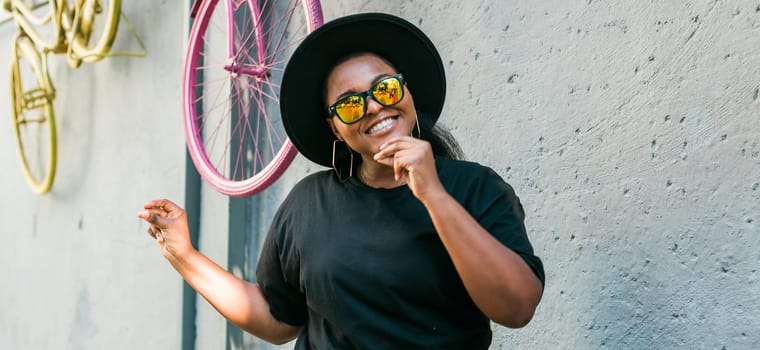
(223, 153)
(219, 97)
(245, 41)
(258, 158)
(260, 96)
(301, 30)
(236, 129)
(283, 32)
(237, 4)
(242, 124)
(268, 123)
(209, 137)
(206, 135)
(245, 119)
(274, 96)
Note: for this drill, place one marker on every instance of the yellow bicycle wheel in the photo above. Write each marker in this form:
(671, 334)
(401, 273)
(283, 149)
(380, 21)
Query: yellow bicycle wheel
(34, 123)
(95, 26)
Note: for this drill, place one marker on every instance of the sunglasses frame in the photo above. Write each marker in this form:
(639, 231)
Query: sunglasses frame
(333, 110)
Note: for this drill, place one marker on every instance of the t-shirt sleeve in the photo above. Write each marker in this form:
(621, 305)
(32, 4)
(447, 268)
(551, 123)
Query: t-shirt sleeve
(278, 276)
(498, 209)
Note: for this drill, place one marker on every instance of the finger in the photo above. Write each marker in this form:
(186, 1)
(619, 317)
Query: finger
(398, 167)
(159, 204)
(159, 212)
(154, 219)
(396, 140)
(387, 161)
(156, 203)
(159, 220)
(390, 149)
(401, 143)
(156, 233)
(145, 215)
(167, 205)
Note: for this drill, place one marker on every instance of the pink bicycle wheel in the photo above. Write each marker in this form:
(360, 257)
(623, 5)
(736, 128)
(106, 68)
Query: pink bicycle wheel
(236, 54)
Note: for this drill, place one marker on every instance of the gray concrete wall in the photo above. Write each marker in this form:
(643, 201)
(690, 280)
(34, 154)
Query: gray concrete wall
(631, 131)
(78, 270)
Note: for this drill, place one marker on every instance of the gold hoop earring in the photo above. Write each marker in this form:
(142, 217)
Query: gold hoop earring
(417, 124)
(351, 164)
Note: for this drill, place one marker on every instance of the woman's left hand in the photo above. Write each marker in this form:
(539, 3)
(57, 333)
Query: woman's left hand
(412, 159)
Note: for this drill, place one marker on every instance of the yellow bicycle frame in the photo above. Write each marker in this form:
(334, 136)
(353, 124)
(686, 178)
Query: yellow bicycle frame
(73, 30)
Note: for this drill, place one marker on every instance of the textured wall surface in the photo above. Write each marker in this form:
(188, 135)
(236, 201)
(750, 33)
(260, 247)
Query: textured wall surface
(77, 269)
(630, 130)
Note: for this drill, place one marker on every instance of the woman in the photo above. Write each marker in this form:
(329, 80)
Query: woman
(399, 246)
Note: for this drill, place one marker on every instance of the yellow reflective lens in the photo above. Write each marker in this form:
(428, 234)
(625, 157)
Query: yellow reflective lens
(350, 108)
(388, 91)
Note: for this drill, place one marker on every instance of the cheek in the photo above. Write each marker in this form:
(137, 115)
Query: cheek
(408, 102)
(333, 127)
(408, 108)
(346, 131)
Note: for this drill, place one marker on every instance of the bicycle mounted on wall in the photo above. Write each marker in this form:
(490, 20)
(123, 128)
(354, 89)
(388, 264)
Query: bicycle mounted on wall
(83, 31)
(236, 54)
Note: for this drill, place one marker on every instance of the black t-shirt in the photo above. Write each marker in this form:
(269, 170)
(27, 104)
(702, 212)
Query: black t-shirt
(363, 268)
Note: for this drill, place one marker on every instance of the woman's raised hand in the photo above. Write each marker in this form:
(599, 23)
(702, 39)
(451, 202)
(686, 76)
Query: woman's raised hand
(413, 160)
(168, 225)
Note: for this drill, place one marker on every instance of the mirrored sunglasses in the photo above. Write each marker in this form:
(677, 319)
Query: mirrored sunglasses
(352, 108)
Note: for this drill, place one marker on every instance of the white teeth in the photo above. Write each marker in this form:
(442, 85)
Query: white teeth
(381, 125)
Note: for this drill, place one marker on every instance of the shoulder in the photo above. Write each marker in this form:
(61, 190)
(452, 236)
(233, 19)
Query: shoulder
(456, 165)
(301, 201)
(311, 186)
(454, 171)
(474, 185)
(313, 180)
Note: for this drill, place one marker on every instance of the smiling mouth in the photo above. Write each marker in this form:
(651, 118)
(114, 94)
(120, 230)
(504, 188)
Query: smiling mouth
(381, 125)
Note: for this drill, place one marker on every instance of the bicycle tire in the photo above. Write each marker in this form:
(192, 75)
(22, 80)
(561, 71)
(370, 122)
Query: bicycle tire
(96, 29)
(37, 159)
(238, 144)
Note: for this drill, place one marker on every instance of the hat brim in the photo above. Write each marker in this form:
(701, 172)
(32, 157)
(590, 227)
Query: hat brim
(392, 38)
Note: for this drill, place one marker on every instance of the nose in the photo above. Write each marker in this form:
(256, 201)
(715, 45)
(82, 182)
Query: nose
(373, 107)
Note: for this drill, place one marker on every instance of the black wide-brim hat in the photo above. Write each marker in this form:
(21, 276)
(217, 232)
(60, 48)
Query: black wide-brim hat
(392, 38)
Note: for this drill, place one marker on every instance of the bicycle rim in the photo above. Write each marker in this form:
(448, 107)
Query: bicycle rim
(231, 89)
(97, 27)
(34, 121)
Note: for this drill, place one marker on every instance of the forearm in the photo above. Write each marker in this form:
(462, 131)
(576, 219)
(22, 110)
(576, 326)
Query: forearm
(498, 280)
(239, 301)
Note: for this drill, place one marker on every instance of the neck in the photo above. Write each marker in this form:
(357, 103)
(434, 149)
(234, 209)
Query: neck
(377, 175)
